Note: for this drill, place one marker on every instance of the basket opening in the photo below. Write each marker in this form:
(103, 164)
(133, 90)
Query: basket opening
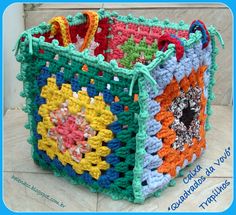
(125, 42)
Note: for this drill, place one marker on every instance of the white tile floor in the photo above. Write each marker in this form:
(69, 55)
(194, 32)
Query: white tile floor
(18, 163)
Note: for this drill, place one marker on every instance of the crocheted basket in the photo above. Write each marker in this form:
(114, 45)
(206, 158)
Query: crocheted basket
(116, 103)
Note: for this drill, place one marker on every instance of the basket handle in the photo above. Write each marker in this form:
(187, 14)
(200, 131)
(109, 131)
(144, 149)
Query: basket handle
(93, 19)
(60, 24)
(200, 26)
(167, 39)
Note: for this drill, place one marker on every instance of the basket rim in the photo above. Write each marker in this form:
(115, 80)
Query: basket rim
(98, 61)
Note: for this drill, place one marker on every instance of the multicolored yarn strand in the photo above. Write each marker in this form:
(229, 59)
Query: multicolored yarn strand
(128, 113)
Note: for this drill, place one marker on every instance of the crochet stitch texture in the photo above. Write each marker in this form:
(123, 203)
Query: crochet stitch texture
(125, 115)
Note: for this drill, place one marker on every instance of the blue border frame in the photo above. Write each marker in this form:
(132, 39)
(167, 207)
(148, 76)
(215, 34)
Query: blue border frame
(4, 4)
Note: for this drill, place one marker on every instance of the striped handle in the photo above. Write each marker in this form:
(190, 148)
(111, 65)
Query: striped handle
(60, 24)
(93, 20)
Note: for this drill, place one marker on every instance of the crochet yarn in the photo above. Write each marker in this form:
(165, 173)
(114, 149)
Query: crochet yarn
(116, 103)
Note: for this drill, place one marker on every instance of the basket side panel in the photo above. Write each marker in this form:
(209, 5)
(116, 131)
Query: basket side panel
(56, 83)
(178, 112)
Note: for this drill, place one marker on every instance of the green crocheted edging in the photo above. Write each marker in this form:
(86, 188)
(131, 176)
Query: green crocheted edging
(140, 142)
(212, 70)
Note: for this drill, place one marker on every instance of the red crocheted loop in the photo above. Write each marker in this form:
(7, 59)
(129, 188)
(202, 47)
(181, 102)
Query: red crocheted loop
(167, 39)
